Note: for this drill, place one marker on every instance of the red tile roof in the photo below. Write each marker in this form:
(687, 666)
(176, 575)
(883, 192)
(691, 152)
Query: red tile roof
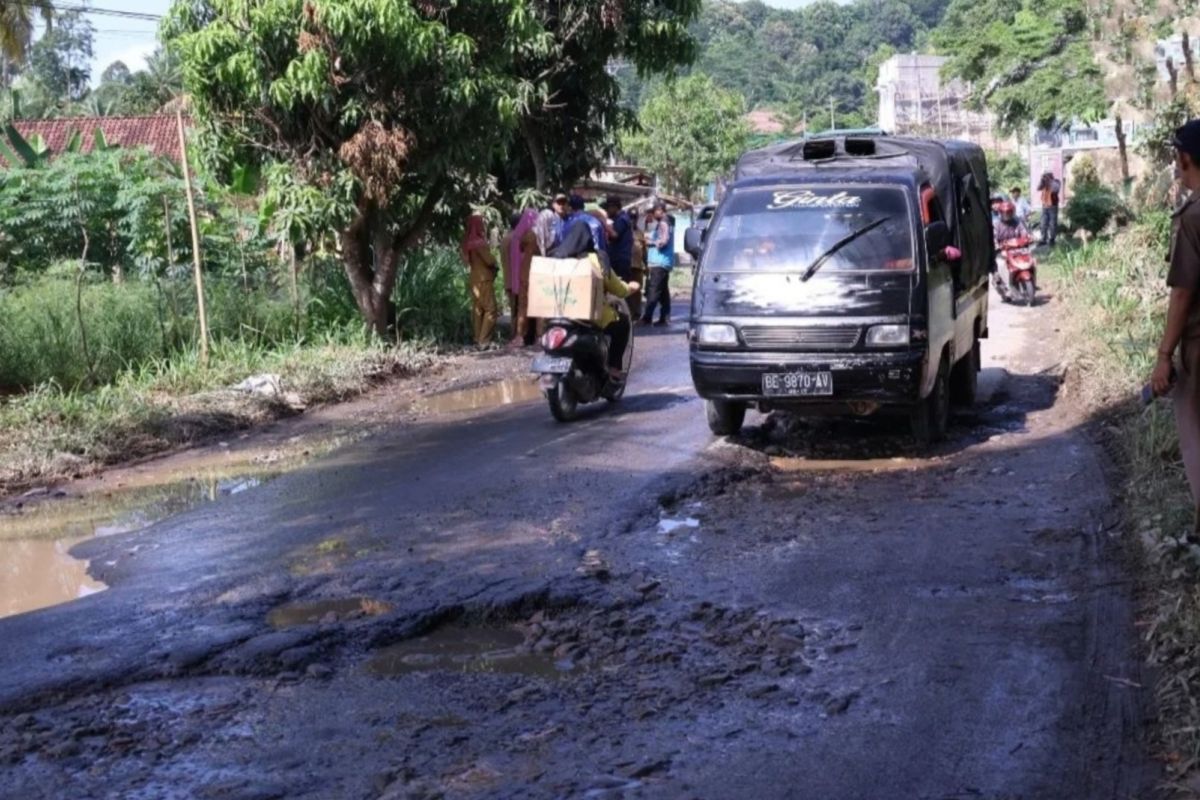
(157, 133)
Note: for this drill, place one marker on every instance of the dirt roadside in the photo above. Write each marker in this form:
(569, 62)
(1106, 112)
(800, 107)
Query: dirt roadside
(287, 441)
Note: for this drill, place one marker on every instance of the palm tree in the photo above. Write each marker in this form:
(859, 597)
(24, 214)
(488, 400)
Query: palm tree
(17, 18)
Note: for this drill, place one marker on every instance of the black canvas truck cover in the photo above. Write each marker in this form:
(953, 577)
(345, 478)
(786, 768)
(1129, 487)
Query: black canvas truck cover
(957, 171)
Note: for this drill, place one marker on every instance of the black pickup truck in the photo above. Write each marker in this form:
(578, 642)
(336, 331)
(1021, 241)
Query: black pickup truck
(844, 275)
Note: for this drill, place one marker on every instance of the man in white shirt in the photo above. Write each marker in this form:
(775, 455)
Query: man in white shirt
(1023, 207)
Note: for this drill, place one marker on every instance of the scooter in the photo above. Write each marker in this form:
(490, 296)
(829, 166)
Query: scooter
(574, 365)
(1016, 278)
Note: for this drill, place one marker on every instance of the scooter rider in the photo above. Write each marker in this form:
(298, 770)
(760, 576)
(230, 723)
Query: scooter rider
(577, 242)
(1009, 228)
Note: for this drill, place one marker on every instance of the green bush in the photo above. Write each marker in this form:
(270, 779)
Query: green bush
(1092, 207)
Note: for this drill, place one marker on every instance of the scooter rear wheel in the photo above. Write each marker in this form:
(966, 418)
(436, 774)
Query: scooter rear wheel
(564, 405)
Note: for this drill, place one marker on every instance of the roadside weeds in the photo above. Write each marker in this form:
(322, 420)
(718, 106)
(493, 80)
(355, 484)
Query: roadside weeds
(51, 433)
(1114, 298)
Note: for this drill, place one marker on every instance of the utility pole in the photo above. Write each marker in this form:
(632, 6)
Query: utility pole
(832, 117)
(199, 276)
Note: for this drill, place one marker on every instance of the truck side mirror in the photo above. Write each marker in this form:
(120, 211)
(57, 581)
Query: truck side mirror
(693, 242)
(937, 238)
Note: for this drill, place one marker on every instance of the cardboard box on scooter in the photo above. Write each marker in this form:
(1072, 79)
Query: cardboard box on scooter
(565, 288)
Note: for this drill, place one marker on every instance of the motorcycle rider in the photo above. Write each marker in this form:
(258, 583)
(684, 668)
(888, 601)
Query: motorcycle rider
(1009, 228)
(578, 242)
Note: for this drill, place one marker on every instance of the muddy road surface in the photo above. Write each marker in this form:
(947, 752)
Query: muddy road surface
(488, 604)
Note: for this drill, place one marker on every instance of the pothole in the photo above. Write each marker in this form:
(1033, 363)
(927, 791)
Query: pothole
(470, 649)
(501, 393)
(332, 610)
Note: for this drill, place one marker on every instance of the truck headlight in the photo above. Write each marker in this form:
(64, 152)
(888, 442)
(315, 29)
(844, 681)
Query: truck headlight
(715, 334)
(887, 336)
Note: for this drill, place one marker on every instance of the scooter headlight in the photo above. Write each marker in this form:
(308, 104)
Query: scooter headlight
(713, 334)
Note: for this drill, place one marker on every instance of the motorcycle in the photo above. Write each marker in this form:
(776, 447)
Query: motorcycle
(1016, 263)
(573, 365)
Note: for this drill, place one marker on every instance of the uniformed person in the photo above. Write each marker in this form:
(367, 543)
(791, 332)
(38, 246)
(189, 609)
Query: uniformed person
(481, 264)
(1182, 331)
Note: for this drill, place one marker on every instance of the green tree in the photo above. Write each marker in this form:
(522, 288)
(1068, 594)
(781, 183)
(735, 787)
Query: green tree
(571, 102)
(61, 60)
(17, 24)
(396, 113)
(1029, 61)
(690, 132)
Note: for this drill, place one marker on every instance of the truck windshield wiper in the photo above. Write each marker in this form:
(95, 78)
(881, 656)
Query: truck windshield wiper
(838, 245)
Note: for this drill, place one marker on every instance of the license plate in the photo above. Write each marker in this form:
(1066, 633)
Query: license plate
(798, 384)
(552, 365)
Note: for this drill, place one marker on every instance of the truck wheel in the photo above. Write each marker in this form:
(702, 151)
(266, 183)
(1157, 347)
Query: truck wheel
(964, 378)
(931, 417)
(725, 417)
(563, 403)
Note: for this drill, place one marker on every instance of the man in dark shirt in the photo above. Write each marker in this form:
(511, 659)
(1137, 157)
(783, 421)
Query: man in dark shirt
(1183, 312)
(620, 248)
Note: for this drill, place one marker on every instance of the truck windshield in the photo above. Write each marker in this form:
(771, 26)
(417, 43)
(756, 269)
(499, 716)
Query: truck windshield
(860, 228)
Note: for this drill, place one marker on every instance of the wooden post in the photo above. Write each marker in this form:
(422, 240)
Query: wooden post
(187, 186)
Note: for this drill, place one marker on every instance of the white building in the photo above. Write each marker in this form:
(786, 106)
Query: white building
(913, 99)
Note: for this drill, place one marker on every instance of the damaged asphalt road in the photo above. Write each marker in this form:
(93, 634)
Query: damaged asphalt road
(493, 605)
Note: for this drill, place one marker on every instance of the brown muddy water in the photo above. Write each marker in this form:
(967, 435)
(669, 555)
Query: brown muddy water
(503, 393)
(36, 568)
(470, 649)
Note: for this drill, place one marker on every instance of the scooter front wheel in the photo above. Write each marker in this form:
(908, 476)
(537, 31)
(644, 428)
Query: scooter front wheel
(1026, 292)
(564, 405)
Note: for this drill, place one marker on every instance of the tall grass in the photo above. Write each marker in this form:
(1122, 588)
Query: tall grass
(1116, 299)
(151, 324)
(432, 297)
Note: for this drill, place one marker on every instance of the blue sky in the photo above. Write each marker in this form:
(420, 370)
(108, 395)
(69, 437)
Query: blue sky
(132, 40)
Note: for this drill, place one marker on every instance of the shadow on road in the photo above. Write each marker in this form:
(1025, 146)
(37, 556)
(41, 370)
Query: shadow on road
(886, 434)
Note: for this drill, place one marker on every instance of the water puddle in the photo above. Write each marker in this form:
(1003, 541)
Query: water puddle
(35, 573)
(493, 395)
(322, 611)
(474, 649)
(36, 536)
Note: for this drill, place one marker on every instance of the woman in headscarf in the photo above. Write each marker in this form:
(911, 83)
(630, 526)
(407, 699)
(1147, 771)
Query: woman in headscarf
(481, 263)
(522, 248)
(578, 242)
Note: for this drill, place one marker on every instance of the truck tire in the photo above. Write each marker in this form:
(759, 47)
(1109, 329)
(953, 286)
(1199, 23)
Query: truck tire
(964, 378)
(725, 417)
(930, 417)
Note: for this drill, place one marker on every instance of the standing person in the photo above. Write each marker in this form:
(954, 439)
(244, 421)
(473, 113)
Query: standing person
(638, 264)
(1021, 204)
(1182, 329)
(1050, 187)
(507, 267)
(522, 247)
(477, 255)
(562, 209)
(659, 257)
(620, 245)
(599, 233)
(550, 223)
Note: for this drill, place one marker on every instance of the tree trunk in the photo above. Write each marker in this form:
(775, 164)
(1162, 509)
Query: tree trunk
(537, 152)
(1188, 60)
(371, 256)
(1123, 150)
(1173, 75)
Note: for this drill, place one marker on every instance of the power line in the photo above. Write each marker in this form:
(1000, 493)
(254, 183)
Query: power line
(86, 9)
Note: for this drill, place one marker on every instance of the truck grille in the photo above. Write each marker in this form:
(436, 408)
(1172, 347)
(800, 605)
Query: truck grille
(801, 338)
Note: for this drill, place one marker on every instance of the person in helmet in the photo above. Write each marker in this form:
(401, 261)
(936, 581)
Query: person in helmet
(1009, 230)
